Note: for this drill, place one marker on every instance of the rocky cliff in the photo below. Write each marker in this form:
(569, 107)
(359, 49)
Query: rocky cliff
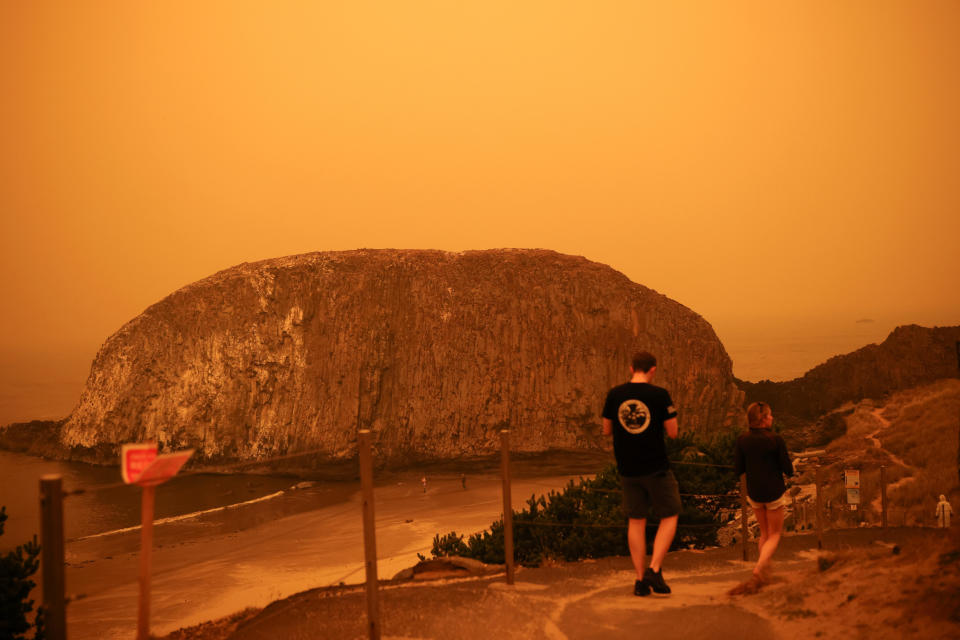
(436, 351)
(910, 356)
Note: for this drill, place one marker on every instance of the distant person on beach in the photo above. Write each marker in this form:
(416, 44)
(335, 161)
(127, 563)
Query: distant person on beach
(423, 481)
(944, 511)
(463, 480)
(762, 455)
(638, 414)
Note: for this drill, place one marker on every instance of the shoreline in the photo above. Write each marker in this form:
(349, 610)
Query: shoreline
(38, 439)
(199, 576)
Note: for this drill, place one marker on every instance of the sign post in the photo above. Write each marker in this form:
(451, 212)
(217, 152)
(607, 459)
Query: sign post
(140, 464)
(146, 559)
(883, 496)
(819, 483)
(851, 479)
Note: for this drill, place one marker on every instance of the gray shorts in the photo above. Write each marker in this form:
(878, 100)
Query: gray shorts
(656, 495)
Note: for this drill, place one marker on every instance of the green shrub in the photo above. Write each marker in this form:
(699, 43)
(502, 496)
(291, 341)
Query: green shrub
(585, 519)
(449, 545)
(16, 567)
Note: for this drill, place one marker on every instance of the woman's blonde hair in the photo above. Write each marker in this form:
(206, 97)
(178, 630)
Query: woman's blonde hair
(756, 413)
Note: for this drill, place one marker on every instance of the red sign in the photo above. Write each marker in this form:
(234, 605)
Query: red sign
(141, 465)
(163, 468)
(134, 458)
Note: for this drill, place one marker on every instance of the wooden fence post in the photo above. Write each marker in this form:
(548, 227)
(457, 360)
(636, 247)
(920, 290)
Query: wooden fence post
(52, 558)
(819, 485)
(507, 503)
(883, 496)
(744, 530)
(369, 536)
(794, 514)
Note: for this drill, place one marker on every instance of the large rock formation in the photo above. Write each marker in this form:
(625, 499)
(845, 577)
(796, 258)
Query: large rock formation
(910, 356)
(437, 351)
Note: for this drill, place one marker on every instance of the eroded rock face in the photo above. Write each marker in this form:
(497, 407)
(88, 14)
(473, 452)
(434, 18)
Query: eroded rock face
(437, 351)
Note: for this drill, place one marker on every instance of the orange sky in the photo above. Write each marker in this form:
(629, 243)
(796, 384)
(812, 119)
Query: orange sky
(766, 164)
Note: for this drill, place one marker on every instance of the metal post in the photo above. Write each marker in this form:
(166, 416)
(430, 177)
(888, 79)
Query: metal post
(819, 487)
(52, 558)
(146, 553)
(507, 503)
(369, 536)
(883, 496)
(744, 531)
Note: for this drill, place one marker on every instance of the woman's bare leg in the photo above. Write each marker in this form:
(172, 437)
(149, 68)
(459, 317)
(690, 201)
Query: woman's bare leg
(774, 523)
(761, 514)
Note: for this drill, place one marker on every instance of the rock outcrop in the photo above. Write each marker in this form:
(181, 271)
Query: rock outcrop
(437, 352)
(911, 356)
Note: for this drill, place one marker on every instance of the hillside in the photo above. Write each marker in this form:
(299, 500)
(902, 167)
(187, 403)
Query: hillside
(911, 356)
(914, 434)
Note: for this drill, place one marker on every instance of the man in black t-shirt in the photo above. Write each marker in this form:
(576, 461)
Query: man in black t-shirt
(638, 414)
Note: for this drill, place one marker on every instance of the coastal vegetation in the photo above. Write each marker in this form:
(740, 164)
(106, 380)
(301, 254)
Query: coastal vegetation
(585, 519)
(16, 607)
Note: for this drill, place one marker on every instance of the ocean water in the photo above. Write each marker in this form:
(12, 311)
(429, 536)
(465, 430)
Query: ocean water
(102, 511)
(203, 505)
(769, 350)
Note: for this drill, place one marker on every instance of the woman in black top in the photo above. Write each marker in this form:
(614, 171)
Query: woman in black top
(762, 456)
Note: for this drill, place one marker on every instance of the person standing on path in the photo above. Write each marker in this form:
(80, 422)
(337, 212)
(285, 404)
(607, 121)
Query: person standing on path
(638, 414)
(944, 511)
(762, 455)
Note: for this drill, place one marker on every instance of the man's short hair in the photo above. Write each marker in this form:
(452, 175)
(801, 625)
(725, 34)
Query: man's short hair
(643, 361)
(756, 413)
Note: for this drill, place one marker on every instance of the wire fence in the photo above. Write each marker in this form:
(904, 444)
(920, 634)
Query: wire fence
(835, 514)
(828, 506)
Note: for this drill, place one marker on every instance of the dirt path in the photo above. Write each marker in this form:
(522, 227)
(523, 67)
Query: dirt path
(877, 503)
(884, 424)
(593, 600)
(582, 601)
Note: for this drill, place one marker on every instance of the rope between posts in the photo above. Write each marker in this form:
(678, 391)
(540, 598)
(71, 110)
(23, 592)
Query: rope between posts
(517, 523)
(702, 464)
(685, 495)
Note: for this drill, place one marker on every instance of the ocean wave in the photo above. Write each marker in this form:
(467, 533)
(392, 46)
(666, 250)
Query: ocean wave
(186, 516)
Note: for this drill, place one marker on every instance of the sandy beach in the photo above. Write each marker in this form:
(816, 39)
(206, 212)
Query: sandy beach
(202, 577)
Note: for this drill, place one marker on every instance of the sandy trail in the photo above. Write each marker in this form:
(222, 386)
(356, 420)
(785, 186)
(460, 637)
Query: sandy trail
(877, 413)
(884, 424)
(211, 577)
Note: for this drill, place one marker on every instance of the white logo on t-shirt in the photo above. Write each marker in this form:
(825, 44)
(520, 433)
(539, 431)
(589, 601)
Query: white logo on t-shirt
(634, 416)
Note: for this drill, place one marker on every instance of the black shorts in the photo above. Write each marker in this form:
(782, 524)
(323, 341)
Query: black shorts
(656, 495)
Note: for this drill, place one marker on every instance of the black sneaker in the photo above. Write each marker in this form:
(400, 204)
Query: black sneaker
(641, 588)
(655, 580)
